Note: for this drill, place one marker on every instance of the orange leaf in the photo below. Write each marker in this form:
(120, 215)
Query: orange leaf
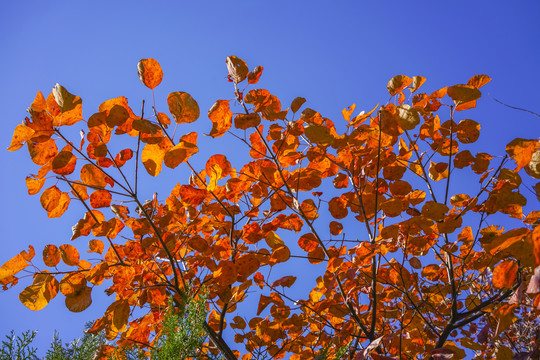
(70, 255)
(347, 112)
(95, 246)
(186, 147)
(183, 107)
(64, 163)
(221, 117)
(280, 254)
(80, 300)
(51, 255)
(149, 72)
(273, 240)
(246, 121)
(335, 228)
(297, 104)
(417, 81)
(100, 198)
(264, 301)
(70, 106)
(226, 273)
(398, 83)
(504, 274)
(237, 68)
(522, 150)
(12, 267)
(478, 81)
(21, 134)
(34, 185)
(221, 162)
(463, 93)
(153, 154)
(286, 281)
(93, 176)
(120, 310)
(254, 75)
(308, 242)
(42, 152)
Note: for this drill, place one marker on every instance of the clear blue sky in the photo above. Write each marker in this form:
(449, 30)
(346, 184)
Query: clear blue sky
(332, 53)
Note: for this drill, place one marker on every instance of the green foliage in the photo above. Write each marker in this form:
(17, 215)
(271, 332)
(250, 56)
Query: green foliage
(183, 333)
(18, 348)
(79, 349)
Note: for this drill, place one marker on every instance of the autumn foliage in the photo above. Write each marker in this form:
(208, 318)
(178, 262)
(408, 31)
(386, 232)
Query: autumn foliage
(399, 258)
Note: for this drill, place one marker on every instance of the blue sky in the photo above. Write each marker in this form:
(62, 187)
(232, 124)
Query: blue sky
(332, 53)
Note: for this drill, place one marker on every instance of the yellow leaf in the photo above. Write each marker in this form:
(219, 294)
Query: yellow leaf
(37, 296)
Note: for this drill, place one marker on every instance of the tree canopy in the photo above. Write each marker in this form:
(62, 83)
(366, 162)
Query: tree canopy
(381, 250)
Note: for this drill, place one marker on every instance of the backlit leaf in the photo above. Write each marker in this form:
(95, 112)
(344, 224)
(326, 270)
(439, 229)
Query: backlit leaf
(416, 83)
(183, 107)
(237, 68)
(522, 150)
(273, 240)
(34, 185)
(69, 104)
(96, 246)
(408, 117)
(505, 274)
(254, 75)
(70, 255)
(120, 315)
(21, 134)
(51, 255)
(64, 163)
(100, 198)
(246, 121)
(93, 176)
(463, 93)
(468, 131)
(153, 154)
(12, 267)
(79, 300)
(221, 117)
(43, 289)
(398, 83)
(149, 72)
(478, 81)
(186, 147)
(297, 104)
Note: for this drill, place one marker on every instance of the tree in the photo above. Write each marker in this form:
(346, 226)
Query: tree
(407, 264)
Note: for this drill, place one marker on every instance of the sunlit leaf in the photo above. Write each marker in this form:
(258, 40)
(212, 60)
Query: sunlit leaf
(221, 117)
(183, 107)
(51, 255)
(70, 255)
(12, 267)
(478, 81)
(186, 147)
(522, 150)
(463, 93)
(21, 134)
(254, 75)
(40, 293)
(237, 68)
(398, 83)
(297, 104)
(149, 72)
